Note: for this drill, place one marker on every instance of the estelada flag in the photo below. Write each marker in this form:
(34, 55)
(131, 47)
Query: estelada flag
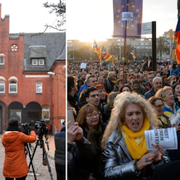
(96, 49)
(132, 52)
(107, 56)
(127, 18)
(177, 39)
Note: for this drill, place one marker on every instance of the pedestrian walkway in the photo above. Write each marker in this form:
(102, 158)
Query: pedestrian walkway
(41, 170)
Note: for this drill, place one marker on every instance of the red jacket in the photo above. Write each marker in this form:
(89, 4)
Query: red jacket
(15, 165)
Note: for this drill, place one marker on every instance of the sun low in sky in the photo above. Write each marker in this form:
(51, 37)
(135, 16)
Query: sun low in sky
(89, 20)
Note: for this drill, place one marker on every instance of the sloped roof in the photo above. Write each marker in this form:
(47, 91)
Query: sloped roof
(55, 44)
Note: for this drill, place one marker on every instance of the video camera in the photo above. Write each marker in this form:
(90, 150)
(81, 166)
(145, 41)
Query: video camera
(41, 128)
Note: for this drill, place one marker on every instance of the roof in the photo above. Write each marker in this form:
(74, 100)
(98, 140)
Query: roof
(47, 45)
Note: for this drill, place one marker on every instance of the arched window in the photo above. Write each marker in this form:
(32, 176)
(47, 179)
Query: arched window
(2, 87)
(12, 87)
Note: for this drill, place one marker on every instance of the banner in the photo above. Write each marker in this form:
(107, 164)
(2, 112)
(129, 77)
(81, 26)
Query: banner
(127, 18)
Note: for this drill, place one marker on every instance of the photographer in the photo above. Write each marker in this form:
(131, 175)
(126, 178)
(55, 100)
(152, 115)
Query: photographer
(15, 165)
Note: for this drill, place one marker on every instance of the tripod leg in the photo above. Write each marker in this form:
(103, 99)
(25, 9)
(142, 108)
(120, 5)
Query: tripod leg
(31, 159)
(45, 154)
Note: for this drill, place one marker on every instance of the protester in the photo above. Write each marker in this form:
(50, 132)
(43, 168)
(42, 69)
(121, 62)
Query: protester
(72, 98)
(157, 84)
(60, 154)
(125, 88)
(158, 104)
(110, 81)
(138, 88)
(15, 165)
(90, 82)
(80, 154)
(174, 69)
(176, 90)
(110, 104)
(170, 108)
(89, 119)
(125, 155)
(119, 84)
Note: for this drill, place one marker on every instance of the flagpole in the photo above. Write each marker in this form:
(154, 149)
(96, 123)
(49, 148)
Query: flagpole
(124, 48)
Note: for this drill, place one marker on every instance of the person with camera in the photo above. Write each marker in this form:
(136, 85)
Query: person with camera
(15, 165)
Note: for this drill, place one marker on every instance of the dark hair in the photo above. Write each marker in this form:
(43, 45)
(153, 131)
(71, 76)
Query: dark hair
(153, 99)
(126, 86)
(89, 90)
(70, 84)
(136, 82)
(118, 81)
(13, 122)
(89, 78)
(174, 86)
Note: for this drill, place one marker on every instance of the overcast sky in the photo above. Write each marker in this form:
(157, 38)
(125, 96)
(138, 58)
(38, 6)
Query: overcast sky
(28, 16)
(94, 19)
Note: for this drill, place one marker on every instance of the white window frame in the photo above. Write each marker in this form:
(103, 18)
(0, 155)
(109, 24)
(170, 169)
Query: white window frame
(2, 83)
(3, 60)
(38, 84)
(41, 64)
(14, 84)
(34, 62)
(44, 110)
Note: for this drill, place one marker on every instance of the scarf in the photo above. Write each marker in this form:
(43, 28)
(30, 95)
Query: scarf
(95, 136)
(135, 141)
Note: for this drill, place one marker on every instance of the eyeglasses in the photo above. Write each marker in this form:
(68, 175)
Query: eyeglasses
(94, 95)
(92, 115)
(159, 106)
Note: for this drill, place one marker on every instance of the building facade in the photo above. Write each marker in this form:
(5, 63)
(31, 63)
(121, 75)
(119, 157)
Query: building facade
(25, 84)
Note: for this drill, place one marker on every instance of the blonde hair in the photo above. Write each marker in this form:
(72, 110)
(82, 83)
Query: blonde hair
(118, 112)
(163, 91)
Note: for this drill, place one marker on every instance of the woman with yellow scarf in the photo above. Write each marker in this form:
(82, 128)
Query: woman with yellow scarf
(125, 155)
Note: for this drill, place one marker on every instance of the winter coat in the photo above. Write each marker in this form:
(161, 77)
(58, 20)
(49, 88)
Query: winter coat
(15, 165)
(149, 94)
(118, 163)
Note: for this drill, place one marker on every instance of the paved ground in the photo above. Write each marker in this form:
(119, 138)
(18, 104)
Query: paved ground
(41, 170)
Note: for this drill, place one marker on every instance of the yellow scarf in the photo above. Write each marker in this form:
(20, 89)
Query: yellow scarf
(135, 141)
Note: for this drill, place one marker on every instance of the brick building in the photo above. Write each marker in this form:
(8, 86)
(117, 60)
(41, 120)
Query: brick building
(26, 87)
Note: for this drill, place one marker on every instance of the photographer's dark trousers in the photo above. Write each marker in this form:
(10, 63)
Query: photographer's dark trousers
(60, 171)
(22, 178)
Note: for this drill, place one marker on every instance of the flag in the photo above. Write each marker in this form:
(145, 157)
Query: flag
(177, 39)
(132, 52)
(96, 49)
(127, 18)
(107, 56)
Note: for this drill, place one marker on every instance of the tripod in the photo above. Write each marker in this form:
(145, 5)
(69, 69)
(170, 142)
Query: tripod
(40, 142)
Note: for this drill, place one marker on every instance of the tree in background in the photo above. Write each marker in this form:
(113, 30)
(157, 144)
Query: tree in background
(162, 46)
(60, 11)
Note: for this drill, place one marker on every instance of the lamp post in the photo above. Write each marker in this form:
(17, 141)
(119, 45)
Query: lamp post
(51, 73)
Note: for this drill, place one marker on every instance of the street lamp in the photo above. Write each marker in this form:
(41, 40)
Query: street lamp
(51, 73)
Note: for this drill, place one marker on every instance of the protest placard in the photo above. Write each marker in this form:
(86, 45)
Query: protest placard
(166, 138)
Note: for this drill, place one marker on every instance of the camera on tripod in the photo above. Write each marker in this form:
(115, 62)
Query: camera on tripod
(41, 128)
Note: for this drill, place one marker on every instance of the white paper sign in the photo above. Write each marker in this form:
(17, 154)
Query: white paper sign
(147, 28)
(127, 16)
(83, 65)
(166, 138)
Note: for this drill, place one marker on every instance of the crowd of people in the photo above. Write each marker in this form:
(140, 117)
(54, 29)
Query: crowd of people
(111, 110)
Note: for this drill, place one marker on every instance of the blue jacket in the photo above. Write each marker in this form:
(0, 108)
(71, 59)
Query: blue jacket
(84, 86)
(174, 71)
(149, 94)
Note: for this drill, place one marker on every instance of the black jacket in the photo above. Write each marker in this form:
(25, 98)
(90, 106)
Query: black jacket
(80, 162)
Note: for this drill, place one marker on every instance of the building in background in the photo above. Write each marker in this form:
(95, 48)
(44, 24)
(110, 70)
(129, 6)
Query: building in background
(26, 89)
